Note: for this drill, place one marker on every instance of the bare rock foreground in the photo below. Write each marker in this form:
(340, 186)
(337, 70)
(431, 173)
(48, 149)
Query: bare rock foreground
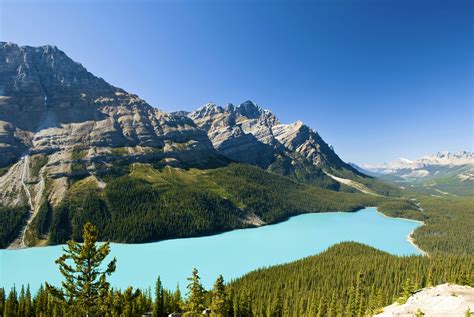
(442, 300)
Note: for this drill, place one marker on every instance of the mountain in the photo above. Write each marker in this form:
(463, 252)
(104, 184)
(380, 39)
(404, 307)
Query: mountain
(440, 158)
(443, 173)
(74, 148)
(51, 104)
(250, 134)
(245, 131)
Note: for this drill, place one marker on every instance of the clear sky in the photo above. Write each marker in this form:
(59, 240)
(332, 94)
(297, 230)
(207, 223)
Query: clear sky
(377, 79)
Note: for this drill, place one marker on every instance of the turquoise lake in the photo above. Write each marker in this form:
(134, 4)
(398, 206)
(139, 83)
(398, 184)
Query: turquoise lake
(231, 254)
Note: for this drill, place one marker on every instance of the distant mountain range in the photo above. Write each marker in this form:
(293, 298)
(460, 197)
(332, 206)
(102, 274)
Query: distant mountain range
(440, 158)
(441, 173)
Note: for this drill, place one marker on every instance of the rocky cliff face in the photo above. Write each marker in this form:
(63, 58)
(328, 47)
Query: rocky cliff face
(49, 104)
(242, 133)
(247, 133)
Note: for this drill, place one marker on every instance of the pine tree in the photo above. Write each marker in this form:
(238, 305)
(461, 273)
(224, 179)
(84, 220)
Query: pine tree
(40, 301)
(429, 279)
(28, 303)
(322, 307)
(11, 304)
(159, 304)
(2, 300)
(85, 287)
(21, 302)
(219, 298)
(195, 303)
(177, 300)
(330, 305)
(407, 290)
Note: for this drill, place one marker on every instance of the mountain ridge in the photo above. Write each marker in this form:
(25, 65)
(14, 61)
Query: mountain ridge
(440, 158)
(50, 104)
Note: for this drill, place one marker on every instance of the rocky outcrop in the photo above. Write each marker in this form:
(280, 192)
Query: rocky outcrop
(438, 301)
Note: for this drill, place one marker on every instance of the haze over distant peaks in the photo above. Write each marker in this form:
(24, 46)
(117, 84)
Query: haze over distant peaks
(443, 173)
(441, 158)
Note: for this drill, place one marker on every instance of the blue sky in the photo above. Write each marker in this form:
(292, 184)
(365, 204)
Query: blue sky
(377, 79)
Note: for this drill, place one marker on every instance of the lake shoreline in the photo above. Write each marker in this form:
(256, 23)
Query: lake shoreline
(210, 234)
(217, 233)
(410, 238)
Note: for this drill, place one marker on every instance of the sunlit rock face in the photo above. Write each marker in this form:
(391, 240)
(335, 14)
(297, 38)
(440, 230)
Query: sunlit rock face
(247, 133)
(49, 103)
(240, 133)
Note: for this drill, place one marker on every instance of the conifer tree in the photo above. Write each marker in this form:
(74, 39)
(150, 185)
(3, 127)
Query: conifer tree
(219, 298)
(158, 305)
(195, 303)
(177, 300)
(40, 301)
(429, 279)
(2, 299)
(407, 290)
(28, 303)
(21, 302)
(85, 287)
(11, 303)
(322, 307)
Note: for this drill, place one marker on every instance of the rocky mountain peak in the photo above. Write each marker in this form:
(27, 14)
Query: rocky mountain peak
(209, 109)
(449, 158)
(249, 109)
(46, 71)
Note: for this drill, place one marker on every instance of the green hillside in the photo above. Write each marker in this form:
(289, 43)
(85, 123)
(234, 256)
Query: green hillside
(349, 279)
(141, 203)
